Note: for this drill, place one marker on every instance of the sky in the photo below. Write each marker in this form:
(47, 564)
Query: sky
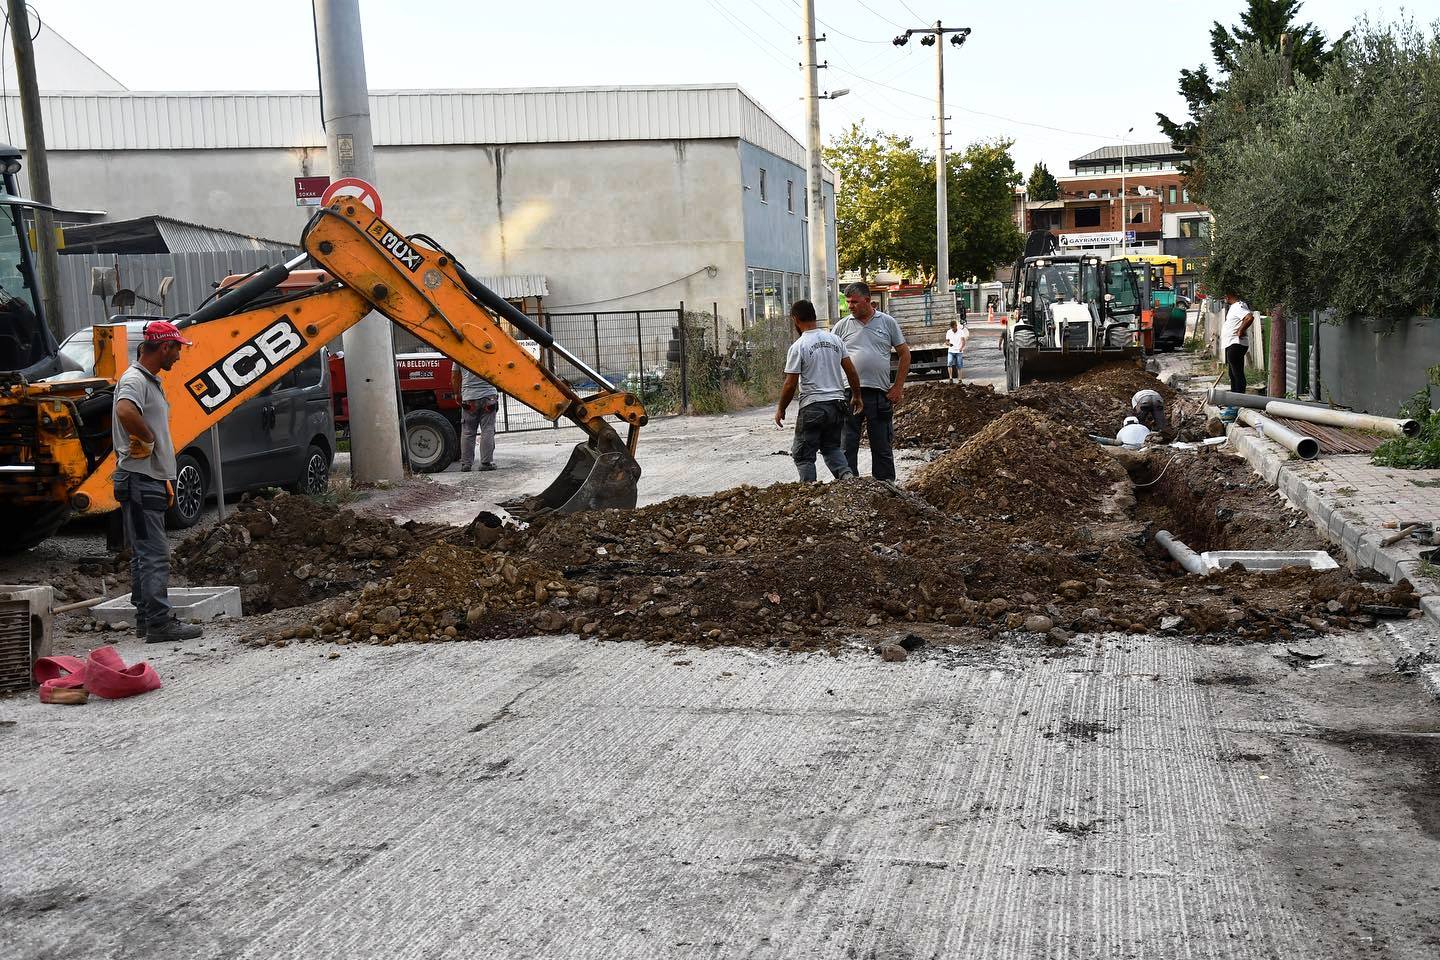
(1058, 78)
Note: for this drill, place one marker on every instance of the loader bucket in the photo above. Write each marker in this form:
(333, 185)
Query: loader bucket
(1031, 364)
(594, 479)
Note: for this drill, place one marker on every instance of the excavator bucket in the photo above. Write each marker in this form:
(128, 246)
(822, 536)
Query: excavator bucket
(593, 479)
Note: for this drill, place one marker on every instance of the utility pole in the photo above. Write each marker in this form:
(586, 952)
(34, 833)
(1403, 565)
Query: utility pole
(37, 165)
(814, 184)
(1124, 193)
(1277, 378)
(369, 347)
(933, 36)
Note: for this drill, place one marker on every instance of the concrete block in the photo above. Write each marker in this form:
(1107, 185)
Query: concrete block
(192, 604)
(1431, 605)
(1369, 554)
(1350, 538)
(19, 652)
(1263, 561)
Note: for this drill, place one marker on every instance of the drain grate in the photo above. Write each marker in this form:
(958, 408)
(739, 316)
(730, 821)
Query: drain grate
(15, 645)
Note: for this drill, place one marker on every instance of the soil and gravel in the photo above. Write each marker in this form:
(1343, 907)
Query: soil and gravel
(287, 550)
(940, 415)
(1024, 526)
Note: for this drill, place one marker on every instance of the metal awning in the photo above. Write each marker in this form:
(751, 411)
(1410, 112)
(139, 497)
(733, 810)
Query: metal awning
(517, 286)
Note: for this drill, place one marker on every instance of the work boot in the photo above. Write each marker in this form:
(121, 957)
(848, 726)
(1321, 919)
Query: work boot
(1229, 414)
(487, 466)
(140, 629)
(464, 468)
(171, 631)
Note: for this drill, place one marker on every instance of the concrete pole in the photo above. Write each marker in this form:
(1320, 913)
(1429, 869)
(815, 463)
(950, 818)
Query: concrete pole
(814, 183)
(37, 168)
(369, 347)
(1278, 332)
(942, 211)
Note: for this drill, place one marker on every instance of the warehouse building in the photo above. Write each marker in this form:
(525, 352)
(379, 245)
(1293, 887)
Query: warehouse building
(611, 199)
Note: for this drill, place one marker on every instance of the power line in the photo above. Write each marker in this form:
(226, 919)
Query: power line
(979, 113)
(760, 42)
(880, 15)
(837, 30)
(910, 11)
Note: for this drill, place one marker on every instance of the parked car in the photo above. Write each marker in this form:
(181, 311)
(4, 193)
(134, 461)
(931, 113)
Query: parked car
(283, 438)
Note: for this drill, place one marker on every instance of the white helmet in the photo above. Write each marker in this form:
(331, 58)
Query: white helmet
(1130, 420)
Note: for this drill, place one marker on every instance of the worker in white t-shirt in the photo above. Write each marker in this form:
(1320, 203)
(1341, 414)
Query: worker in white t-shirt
(1149, 407)
(1234, 343)
(1133, 434)
(955, 339)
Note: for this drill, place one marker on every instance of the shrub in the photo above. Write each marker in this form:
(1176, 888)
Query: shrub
(1420, 452)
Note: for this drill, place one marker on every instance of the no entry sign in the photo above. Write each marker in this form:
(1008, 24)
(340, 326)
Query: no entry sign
(362, 190)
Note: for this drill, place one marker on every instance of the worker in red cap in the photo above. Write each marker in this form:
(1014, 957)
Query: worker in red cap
(145, 480)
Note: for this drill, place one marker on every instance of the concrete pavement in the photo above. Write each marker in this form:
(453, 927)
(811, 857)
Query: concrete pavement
(560, 798)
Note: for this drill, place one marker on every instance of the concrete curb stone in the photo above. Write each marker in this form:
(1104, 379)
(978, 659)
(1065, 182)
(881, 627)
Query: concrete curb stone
(1362, 547)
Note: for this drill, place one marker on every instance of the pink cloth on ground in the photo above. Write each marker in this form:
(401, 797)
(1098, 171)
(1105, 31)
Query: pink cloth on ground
(103, 673)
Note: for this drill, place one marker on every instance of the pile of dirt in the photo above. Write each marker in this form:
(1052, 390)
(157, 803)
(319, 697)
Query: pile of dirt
(1098, 400)
(940, 415)
(1023, 467)
(790, 565)
(287, 550)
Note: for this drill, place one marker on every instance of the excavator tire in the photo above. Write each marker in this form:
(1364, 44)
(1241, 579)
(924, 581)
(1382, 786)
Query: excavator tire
(29, 526)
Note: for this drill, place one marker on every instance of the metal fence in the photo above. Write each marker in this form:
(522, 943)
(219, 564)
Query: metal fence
(195, 277)
(675, 360)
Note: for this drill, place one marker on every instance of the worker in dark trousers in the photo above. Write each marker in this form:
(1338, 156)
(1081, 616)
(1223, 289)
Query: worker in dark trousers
(1235, 342)
(817, 368)
(870, 336)
(145, 480)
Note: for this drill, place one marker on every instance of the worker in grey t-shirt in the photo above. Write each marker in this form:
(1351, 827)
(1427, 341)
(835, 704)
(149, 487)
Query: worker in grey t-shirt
(870, 336)
(816, 366)
(479, 402)
(145, 477)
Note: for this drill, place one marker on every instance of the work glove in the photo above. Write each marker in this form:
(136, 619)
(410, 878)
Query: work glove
(140, 449)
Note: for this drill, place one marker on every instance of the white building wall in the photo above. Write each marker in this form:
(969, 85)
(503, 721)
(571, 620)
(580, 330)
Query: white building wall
(613, 225)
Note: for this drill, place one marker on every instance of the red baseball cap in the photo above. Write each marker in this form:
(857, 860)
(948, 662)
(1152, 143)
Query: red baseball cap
(158, 331)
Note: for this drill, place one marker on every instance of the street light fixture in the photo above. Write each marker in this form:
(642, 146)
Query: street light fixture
(836, 95)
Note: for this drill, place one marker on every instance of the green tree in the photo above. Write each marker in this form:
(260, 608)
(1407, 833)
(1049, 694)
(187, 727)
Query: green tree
(1042, 184)
(885, 205)
(981, 204)
(883, 218)
(1261, 24)
(1328, 194)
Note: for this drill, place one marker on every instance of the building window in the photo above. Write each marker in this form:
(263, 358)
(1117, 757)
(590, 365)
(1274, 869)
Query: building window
(1172, 194)
(1140, 214)
(1087, 216)
(1185, 195)
(805, 202)
(1195, 228)
(1046, 219)
(764, 187)
(790, 195)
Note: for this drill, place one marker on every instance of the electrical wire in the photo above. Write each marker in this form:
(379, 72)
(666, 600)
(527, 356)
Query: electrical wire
(1173, 458)
(710, 267)
(978, 113)
(882, 16)
(911, 11)
(834, 29)
(764, 45)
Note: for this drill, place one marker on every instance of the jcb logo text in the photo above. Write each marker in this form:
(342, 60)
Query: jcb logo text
(219, 384)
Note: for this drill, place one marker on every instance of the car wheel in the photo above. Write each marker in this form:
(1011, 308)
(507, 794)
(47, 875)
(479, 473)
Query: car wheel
(190, 489)
(430, 441)
(315, 476)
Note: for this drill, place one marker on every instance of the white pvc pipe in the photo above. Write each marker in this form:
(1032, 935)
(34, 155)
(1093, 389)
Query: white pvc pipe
(1186, 557)
(1342, 418)
(1306, 448)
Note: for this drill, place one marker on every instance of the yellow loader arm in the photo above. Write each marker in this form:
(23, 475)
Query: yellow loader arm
(241, 349)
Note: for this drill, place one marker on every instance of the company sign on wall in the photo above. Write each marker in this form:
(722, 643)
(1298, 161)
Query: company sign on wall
(1108, 238)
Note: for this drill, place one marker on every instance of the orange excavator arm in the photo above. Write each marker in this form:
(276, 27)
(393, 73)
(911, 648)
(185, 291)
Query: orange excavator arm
(247, 340)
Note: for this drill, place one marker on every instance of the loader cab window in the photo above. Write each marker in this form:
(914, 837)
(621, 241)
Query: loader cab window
(23, 339)
(1120, 281)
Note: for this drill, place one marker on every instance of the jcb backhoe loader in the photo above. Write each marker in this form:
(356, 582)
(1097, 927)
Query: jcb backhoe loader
(1072, 312)
(55, 452)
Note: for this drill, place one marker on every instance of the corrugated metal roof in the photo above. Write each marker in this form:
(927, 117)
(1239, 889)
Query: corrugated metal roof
(162, 235)
(216, 121)
(518, 286)
(1131, 151)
